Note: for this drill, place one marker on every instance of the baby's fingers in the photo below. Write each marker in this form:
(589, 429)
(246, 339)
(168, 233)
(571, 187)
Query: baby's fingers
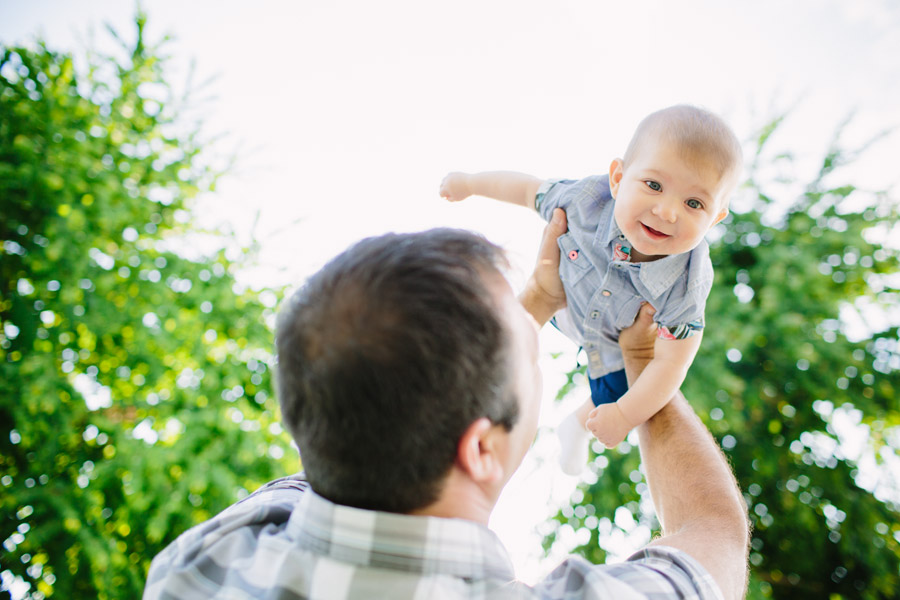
(452, 187)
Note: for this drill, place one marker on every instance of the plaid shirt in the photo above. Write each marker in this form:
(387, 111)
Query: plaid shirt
(604, 289)
(284, 541)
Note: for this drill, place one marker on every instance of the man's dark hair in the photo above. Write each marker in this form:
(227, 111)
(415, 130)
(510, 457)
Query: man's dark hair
(385, 357)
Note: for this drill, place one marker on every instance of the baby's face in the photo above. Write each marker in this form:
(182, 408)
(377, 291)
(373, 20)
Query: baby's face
(664, 204)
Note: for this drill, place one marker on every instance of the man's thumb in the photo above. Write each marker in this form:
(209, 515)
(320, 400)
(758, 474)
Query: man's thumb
(646, 313)
(559, 218)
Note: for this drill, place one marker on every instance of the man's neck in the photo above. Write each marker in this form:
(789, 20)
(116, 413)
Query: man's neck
(461, 498)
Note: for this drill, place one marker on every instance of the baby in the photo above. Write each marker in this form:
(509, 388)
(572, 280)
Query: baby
(634, 236)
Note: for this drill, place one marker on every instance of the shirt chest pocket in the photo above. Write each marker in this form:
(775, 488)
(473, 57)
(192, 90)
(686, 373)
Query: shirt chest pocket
(573, 263)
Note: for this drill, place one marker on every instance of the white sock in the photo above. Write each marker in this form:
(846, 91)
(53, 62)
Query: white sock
(573, 441)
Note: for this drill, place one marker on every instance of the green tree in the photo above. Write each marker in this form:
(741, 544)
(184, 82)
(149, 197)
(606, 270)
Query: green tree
(135, 391)
(778, 379)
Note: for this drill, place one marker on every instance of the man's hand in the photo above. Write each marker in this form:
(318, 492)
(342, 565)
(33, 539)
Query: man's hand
(546, 270)
(544, 295)
(455, 187)
(608, 424)
(638, 340)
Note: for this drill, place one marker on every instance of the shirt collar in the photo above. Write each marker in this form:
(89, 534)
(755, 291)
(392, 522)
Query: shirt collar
(658, 275)
(417, 544)
(609, 231)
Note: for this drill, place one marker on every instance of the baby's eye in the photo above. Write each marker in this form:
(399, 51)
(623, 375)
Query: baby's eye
(694, 203)
(653, 185)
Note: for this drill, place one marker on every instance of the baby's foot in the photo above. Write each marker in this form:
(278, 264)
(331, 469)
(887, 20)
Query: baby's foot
(573, 440)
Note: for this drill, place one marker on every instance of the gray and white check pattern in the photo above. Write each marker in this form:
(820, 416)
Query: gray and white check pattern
(604, 294)
(286, 542)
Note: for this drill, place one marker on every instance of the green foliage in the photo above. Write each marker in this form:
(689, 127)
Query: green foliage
(135, 390)
(778, 381)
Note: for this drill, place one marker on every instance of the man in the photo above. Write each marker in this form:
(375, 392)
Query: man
(408, 377)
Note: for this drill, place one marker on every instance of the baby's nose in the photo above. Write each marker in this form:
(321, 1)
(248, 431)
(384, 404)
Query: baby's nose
(665, 211)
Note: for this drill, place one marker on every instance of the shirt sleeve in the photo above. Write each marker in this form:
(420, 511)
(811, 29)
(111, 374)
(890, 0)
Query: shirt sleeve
(682, 316)
(681, 570)
(656, 572)
(553, 194)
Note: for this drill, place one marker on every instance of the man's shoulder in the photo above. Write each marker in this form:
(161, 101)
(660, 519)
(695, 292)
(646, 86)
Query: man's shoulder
(233, 532)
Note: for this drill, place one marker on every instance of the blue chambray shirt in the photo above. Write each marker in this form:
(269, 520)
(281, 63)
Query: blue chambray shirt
(603, 292)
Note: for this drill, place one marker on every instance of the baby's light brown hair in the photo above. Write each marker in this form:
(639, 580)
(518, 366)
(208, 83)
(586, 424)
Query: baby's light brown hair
(702, 137)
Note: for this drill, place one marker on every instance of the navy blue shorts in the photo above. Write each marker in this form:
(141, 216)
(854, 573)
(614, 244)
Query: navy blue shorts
(609, 388)
(606, 389)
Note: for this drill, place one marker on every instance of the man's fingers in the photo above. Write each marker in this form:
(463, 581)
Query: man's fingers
(549, 252)
(640, 336)
(558, 221)
(545, 278)
(645, 315)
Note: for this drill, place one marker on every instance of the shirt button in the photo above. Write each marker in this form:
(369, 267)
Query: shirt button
(595, 314)
(573, 254)
(606, 293)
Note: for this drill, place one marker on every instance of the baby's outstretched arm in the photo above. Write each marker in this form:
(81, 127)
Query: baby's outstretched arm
(610, 423)
(507, 186)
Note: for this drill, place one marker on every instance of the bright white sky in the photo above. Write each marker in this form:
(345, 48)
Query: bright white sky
(347, 114)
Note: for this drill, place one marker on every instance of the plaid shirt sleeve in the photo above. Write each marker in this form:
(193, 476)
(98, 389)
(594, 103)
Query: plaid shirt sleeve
(654, 573)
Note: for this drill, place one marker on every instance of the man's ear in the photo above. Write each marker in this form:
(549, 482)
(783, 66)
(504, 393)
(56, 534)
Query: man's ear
(477, 452)
(616, 170)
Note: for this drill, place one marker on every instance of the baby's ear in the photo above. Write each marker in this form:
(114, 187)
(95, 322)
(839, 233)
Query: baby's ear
(616, 170)
(722, 214)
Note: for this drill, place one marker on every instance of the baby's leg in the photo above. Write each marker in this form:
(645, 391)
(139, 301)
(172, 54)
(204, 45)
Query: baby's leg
(582, 412)
(573, 435)
(573, 439)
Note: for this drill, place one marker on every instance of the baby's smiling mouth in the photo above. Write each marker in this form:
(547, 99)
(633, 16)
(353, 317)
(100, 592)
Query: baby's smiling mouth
(653, 233)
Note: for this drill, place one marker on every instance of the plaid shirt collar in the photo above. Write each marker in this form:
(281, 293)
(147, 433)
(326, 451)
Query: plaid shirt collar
(416, 544)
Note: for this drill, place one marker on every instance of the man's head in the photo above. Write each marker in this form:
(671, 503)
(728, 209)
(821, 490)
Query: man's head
(675, 179)
(387, 356)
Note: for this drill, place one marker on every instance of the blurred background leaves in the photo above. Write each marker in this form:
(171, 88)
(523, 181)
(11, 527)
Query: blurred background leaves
(135, 389)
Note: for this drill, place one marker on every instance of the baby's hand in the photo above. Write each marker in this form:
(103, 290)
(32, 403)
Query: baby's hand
(455, 187)
(608, 424)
